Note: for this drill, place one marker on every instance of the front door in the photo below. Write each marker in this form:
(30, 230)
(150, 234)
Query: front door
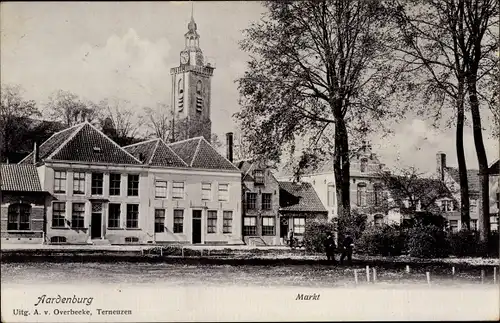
(196, 226)
(95, 232)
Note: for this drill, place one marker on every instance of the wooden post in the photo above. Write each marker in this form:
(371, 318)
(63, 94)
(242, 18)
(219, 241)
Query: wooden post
(182, 251)
(374, 275)
(161, 252)
(482, 276)
(495, 274)
(453, 271)
(142, 252)
(407, 269)
(368, 273)
(428, 274)
(356, 276)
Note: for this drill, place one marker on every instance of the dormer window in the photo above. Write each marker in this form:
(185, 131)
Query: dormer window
(447, 205)
(259, 176)
(97, 149)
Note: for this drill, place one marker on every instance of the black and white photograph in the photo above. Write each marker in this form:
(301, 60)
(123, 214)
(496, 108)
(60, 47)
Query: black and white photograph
(235, 161)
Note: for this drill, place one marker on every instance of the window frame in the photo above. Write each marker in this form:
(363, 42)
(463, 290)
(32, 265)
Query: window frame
(19, 212)
(60, 182)
(161, 189)
(223, 197)
(268, 230)
(227, 222)
(330, 191)
(160, 216)
(77, 216)
(94, 189)
(299, 225)
(259, 176)
(178, 225)
(363, 164)
(114, 217)
(212, 221)
(58, 215)
(250, 229)
(265, 205)
(79, 183)
(361, 194)
(248, 204)
(178, 193)
(113, 190)
(205, 191)
(132, 185)
(132, 216)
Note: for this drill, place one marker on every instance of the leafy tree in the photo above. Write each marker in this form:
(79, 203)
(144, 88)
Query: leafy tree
(69, 109)
(317, 69)
(442, 41)
(15, 114)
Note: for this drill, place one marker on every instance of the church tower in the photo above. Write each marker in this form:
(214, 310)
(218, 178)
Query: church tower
(191, 90)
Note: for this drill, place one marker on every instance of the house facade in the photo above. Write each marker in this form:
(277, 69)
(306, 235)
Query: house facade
(105, 194)
(23, 204)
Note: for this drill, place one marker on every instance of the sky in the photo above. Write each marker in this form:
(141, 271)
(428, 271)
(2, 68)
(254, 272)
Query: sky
(126, 50)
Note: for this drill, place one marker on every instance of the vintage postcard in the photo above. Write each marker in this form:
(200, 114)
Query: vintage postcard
(191, 161)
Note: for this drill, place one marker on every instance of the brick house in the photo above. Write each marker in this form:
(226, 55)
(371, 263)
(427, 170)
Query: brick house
(104, 194)
(261, 202)
(23, 204)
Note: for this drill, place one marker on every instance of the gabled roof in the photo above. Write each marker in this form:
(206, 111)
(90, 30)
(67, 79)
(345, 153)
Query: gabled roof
(16, 177)
(299, 197)
(83, 143)
(245, 166)
(156, 153)
(472, 178)
(198, 153)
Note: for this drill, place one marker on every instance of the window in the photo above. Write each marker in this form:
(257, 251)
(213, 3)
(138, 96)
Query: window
(178, 221)
(364, 163)
(454, 225)
(250, 226)
(97, 183)
(199, 97)
(212, 222)
(161, 189)
(180, 102)
(377, 190)
(133, 185)
(447, 205)
(59, 182)
(114, 184)
(361, 194)
(266, 201)
(78, 183)
(331, 194)
(259, 176)
(267, 226)
(114, 215)
(159, 220)
(299, 225)
(178, 190)
(227, 222)
(473, 225)
(378, 219)
(251, 201)
(132, 216)
(223, 192)
(58, 214)
(19, 217)
(78, 215)
(206, 191)
(58, 239)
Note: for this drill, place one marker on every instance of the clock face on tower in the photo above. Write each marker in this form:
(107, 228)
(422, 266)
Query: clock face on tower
(184, 57)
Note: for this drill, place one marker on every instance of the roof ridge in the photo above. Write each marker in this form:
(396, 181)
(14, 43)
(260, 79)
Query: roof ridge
(168, 147)
(141, 143)
(193, 138)
(65, 142)
(113, 142)
(154, 152)
(195, 153)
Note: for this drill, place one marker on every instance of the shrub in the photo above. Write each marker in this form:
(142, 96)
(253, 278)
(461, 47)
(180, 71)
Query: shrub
(353, 223)
(385, 240)
(315, 234)
(464, 243)
(427, 241)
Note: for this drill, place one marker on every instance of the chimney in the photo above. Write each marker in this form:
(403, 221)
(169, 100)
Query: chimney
(36, 156)
(229, 146)
(440, 165)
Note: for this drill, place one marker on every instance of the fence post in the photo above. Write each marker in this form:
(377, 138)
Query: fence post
(368, 273)
(356, 276)
(142, 252)
(495, 274)
(482, 276)
(182, 251)
(428, 275)
(161, 252)
(374, 275)
(407, 269)
(453, 271)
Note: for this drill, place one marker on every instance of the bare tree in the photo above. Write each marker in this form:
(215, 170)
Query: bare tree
(69, 109)
(159, 121)
(317, 68)
(119, 115)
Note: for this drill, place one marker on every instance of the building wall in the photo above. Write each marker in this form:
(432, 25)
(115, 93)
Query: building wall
(320, 183)
(37, 202)
(270, 186)
(145, 233)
